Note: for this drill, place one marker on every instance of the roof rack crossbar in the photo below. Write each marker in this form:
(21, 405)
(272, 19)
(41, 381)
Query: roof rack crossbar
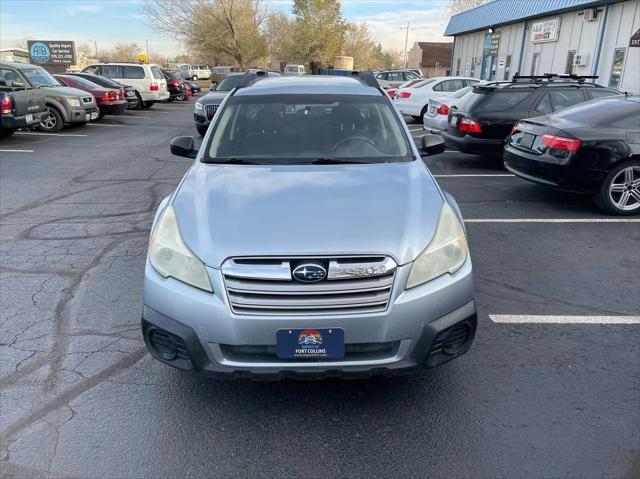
(553, 76)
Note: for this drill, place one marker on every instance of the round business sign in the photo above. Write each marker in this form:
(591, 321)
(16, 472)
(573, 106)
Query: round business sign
(40, 53)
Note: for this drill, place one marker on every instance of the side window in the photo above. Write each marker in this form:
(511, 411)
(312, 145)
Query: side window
(616, 68)
(11, 79)
(381, 76)
(544, 105)
(111, 71)
(563, 98)
(396, 76)
(438, 86)
(452, 85)
(601, 92)
(133, 72)
(410, 76)
(502, 100)
(92, 69)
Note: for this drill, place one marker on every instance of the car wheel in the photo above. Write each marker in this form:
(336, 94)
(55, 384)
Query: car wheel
(422, 114)
(202, 129)
(194, 77)
(140, 102)
(52, 122)
(620, 191)
(5, 133)
(147, 104)
(180, 98)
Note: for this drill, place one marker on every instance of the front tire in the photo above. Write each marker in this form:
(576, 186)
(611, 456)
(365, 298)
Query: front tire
(202, 129)
(620, 191)
(52, 122)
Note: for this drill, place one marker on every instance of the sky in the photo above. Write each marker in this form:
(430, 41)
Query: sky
(110, 21)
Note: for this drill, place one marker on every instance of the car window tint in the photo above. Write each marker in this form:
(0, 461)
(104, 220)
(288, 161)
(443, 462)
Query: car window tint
(381, 76)
(563, 98)
(544, 105)
(452, 85)
(134, 72)
(81, 82)
(156, 72)
(471, 82)
(606, 112)
(396, 76)
(438, 86)
(298, 128)
(410, 76)
(11, 78)
(111, 71)
(601, 92)
(502, 100)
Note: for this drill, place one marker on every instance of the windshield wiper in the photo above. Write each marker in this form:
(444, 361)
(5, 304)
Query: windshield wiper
(334, 161)
(231, 161)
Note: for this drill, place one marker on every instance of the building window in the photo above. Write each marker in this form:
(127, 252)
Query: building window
(473, 67)
(616, 69)
(535, 63)
(507, 67)
(458, 67)
(571, 57)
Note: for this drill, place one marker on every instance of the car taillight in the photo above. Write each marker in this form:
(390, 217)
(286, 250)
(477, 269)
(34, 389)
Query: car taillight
(154, 87)
(109, 96)
(467, 125)
(404, 94)
(6, 105)
(174, 82)
(442, 110)
(391, 93)
(560, 143)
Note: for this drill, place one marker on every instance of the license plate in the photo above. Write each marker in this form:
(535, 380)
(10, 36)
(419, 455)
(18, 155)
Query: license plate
(29, 117)
(453, 121)
(310, 343)
(432, 111)
(87, 117)
(94, 115)
(527, 140)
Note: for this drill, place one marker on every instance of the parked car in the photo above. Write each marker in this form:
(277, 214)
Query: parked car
(482, 120)
(391, 92)
(146, 78)
(294, 70)
(206, 106)
(195, 72)
(414, 101)
(308, 212)
(176, 86)
(437, 115)
(417, 71)
(195, 88)
(395, 78)
(591, 148)
(128, 91)
(21, 105)
(110, 101)
(65, 105)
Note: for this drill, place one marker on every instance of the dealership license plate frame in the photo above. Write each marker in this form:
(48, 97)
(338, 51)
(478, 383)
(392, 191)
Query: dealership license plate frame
(327, 343)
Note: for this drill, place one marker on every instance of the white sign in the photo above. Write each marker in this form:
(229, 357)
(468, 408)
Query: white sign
(467, 69)
(546, 31)
(500, 63)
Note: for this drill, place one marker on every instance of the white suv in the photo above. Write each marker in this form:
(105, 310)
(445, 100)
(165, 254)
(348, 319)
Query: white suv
(195, 72)
(146, 78)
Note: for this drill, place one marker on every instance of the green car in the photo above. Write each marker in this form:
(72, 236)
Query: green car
(65, 105)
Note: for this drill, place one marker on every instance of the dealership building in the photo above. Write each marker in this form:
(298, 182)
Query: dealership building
(584, 37)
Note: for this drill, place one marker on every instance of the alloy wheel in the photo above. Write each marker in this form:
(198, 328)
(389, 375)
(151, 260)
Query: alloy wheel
(624, 189)
(49, 122)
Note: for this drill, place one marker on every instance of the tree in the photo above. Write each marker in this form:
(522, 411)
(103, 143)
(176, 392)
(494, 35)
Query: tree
(457, 6)
(213, 28)
(279, 32)
(319, 30)
(359, 45)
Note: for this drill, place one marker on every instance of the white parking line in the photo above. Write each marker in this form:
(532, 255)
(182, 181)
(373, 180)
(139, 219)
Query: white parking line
(552, 220)
(107, 124)
(16, 151)
(534, 319)
(475, 175)
(134, 116)
(35, 133)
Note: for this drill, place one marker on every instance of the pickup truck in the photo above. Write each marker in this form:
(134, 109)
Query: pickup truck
(20, 104)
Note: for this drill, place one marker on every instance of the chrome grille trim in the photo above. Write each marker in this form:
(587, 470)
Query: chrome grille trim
(210, 110)
(87, 99)
(264, 286)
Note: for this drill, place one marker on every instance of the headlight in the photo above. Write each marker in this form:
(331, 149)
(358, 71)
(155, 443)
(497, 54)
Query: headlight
(74, 101)
(199, 106)
(169, 256)
(446, 253)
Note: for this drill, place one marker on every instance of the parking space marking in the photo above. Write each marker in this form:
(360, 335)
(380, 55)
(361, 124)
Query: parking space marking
(107, 124)
(552, 220)
(36, 133)
(16, 151)
(134, 116)
(543, 319)
(469, 175)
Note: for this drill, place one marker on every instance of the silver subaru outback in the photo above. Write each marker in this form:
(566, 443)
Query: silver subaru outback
(308, 239)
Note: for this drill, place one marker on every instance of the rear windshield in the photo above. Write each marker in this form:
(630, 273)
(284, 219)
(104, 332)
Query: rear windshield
(281, 129)
(102, 81)
(82, 82)
(171, 75)
(228, 83)
(482, 100)
(605, 112)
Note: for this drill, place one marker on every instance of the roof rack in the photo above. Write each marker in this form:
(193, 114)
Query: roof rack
(366, 78)
(549, 77)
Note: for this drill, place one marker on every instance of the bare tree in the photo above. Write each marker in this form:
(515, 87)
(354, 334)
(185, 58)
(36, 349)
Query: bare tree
(457, 6)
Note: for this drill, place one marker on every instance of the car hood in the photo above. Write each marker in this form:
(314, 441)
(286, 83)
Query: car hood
(301, 210)
(63, 91)
(213, 97)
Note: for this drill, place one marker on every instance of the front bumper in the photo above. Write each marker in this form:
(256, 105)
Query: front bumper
(200, 118)
(12, 122)
(473, 145)
(82, 114)
(408, 335)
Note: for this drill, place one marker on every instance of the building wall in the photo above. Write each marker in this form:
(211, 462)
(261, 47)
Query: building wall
(622, 20)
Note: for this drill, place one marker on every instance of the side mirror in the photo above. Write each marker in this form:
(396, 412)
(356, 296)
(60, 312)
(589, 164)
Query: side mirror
(431, 145)
(184, 146)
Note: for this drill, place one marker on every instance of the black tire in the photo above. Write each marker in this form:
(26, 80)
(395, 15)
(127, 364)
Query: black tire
(52, 122)
(202, 129)
(4, 132)
(140, 102)
(147, 104)
(181, 97)
(169, 100)
(194, 77)
(611, 201)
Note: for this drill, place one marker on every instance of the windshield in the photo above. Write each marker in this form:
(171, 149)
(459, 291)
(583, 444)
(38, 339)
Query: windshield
(81, 82)
(228, 83)
(39, 77)
(279, 129)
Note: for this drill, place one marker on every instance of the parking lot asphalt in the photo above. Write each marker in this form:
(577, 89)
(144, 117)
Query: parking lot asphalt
(550, 388)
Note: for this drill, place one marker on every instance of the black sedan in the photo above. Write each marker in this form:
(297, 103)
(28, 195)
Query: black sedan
(592, 148)
(129, 91)
(195, 88)
(176, 85)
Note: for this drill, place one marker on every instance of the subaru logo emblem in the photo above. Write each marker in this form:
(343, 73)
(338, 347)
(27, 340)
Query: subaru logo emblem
(309, 273)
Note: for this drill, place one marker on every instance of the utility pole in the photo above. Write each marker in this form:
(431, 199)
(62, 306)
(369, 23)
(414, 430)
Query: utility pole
(147, 42)
(406, 41)
(95, 44)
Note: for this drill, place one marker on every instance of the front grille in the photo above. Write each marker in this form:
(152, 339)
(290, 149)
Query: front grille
(210, 110)
(352, 352)
(266, 287)
(87, 99)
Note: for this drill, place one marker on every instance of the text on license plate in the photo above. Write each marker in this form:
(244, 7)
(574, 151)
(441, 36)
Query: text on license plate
(29, 118)
(453, 120)
(310, 343)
